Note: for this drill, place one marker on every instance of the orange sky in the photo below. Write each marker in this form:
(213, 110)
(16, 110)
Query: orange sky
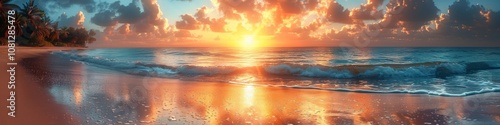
(302, 23)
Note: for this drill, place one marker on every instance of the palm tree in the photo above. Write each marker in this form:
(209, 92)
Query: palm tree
(40, 33)
(46, 20)
(35, 23)
(31, 12)
(17, 25)
(63, 33)
(54, 34)
(6, 6)
(91, 35)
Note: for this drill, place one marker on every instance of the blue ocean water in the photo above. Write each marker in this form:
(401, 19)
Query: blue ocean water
(435, 71)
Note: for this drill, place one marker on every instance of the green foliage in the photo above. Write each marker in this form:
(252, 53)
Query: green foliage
(35, 28)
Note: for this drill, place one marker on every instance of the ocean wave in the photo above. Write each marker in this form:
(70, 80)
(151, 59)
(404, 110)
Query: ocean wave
(127, 67)
(379, 71)
(436, 92)
(180, 53)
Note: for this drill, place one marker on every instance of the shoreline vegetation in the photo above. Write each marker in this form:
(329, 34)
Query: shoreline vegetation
(34, 28)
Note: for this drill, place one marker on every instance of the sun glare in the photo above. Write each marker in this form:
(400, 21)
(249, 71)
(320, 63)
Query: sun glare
(248, 41)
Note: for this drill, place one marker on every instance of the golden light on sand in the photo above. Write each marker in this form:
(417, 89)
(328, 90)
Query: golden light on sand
(249, 92)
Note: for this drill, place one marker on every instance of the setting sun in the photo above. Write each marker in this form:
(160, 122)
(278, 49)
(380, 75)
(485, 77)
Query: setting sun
(248, 41)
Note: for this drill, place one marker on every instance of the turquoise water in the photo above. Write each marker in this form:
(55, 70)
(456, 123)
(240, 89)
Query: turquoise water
(435, 71)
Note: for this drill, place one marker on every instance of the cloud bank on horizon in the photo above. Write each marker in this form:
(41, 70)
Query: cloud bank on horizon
(286, 22)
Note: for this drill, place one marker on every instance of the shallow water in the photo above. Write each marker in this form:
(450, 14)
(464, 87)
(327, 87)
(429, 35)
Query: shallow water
(435, 71)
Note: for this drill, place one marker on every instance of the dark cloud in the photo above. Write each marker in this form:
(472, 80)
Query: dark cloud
(128, 21)
(201, 15)
(403, 20)
(462, 13)
(131, 14)
(104, 18)
(417, 13)
(69, 3)
(412, 14)
(292, 6)
(128, 14)
(368, 11)
(469, 22)
(188, 23)
(336, 13)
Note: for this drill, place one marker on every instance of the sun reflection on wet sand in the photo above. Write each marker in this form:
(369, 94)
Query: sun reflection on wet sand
(248, 95)
(183, 102)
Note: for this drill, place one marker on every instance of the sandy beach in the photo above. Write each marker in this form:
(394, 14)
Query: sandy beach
(52, 90)
(32, 100)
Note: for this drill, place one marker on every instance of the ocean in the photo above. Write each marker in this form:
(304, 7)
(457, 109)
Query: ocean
(433, 71)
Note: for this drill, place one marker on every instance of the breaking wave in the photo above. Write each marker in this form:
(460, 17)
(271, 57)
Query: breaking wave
(382, 71)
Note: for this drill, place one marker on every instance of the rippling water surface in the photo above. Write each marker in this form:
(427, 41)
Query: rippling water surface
(435, 71)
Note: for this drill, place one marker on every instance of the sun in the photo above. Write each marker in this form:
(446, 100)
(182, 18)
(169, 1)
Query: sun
(248, 41)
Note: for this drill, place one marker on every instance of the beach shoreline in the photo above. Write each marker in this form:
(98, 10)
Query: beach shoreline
(32, 101)
(170, 101)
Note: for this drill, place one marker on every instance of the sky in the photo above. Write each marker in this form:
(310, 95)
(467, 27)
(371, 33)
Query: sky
(281, 23)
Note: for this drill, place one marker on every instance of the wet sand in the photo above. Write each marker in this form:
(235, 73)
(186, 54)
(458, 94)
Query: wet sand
(53, 90)
(34, 105)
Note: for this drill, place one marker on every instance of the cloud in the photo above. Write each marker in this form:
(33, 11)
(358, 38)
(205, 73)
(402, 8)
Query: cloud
(469, 22)
(311, 4)
(69, 3)
(292, 6)
(104, 18)
(218, 25)
(124, 29)
(117, 13)
(308, 20)
(128, 14)
(73, 21)
(152, 16)
(201, 21)
(128, 22)
(188, 23)
(336, 13)
(201, 15)
(238, 9)
(403, 20)
(411, 14)
(368, 11)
